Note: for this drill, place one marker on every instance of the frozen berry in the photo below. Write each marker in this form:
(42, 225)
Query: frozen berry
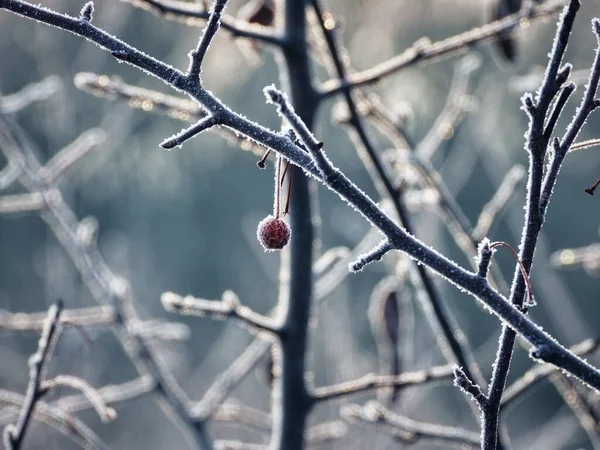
(273, 233)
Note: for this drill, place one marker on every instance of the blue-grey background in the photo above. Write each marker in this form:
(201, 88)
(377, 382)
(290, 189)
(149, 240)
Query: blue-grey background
(185, 220)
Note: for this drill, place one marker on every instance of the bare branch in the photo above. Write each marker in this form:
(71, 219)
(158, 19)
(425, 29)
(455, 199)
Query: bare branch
(200, 126)
(229, 379)
(540, 372)
(187, 12)
(340, 184)
(469, 387)
(538, 196)
(588, 104)
(97, 315)
(105, 413)
(409, 430)
(228, 306)
(57, 418)
(21, 203)
(238, 445)
(243, 415)
(78, 240)
(424, 50)
(311, 143)
(160, 330)
(149, 100)
(374, 255)
(326, 432)
(137, 97)
(439, 317)
(372, 381)
(197, 55)
(584, 144)
(110, 395)
(31, 93)
(503, 195)
(14, 434)
(8, 175)
(457, 103)
(71, 154)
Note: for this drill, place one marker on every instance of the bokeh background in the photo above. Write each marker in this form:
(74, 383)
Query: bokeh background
(185, 220)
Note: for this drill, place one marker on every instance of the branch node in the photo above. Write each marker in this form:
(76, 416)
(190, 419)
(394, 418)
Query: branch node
(468, 386)
(484, 257)
(105, 412)
(540, 353)
(121, 55)
(563, 75)
(529, 105)
(197, 55)
(312, 144)
(556, 144)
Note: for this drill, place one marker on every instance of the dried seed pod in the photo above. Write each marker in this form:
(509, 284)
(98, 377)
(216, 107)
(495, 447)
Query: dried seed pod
(507, 42)
(258, 12)
(384, 314)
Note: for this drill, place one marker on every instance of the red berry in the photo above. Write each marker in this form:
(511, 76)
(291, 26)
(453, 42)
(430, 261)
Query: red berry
(273, 234)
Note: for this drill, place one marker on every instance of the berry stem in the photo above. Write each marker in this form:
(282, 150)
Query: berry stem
(591, 190)
(521, 266)
(289, 192)
(263, 161)
(277, 200)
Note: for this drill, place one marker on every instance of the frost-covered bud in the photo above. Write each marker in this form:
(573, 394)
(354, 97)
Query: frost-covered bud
(273, 233)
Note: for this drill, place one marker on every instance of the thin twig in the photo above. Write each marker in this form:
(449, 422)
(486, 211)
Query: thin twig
(186, 12)
(197, 55)
(70, 426)
(229, 306)
(104, 286)
(373, 381)
(538, 196)
(105, 412)
(538, 373)
(584, 144)
(409, 430)
(71, 154)
(14, 434)
(229, 379)
(31, 93)
(21, 203)
(511, 182)
(96, 315)
(440, 318)
(424, 50)
(341, 184)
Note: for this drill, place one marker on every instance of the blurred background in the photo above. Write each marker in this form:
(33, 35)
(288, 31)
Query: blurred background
(185, 220)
